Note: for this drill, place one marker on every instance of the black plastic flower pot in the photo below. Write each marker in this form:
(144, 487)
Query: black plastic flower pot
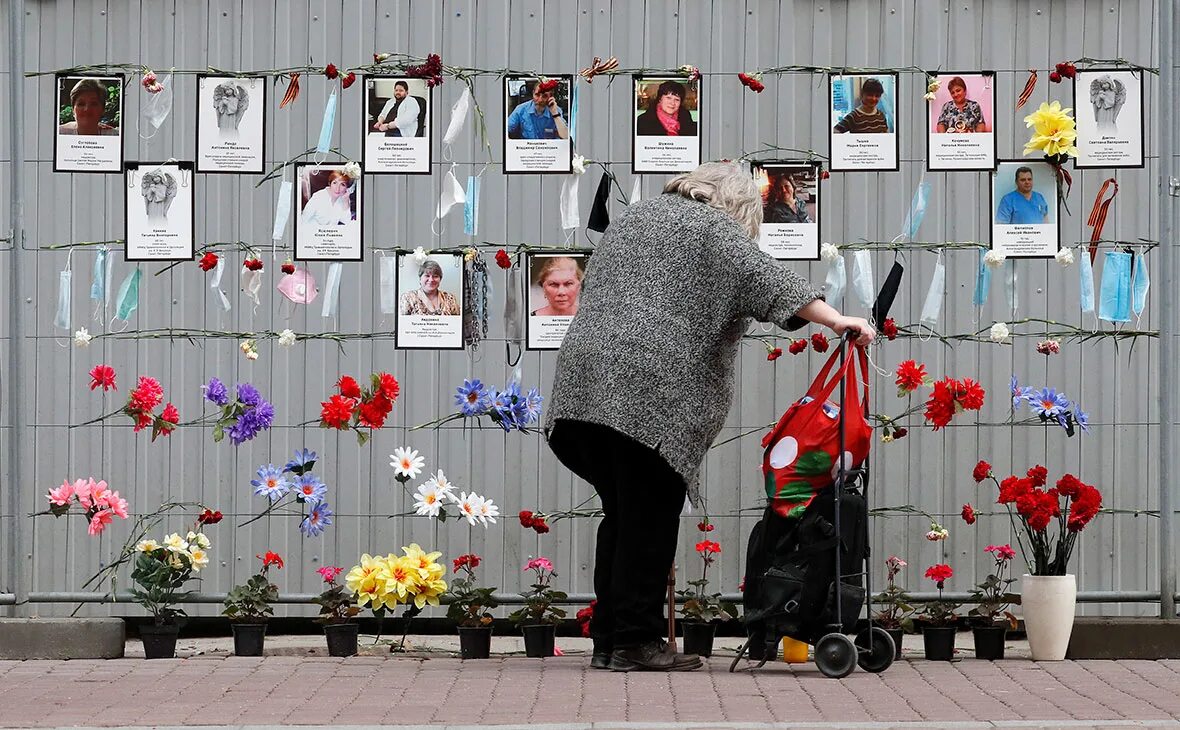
(989, 641)
(159, 641)
(698, 637)
(538, 639)
(248, 639)
(341, 639)
(897, 635)
(939, 642)
(475, 642)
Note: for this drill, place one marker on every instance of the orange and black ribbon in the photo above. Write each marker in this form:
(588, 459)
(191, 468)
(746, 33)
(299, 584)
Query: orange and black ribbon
(1098, 214)
(292, 91)
(1028, 88)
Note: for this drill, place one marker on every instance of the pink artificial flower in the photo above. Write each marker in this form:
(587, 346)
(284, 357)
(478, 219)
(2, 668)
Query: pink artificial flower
(116, 504)
(100, 520)
(62, 495)
(99, 493)
(539, 563)
(82, 492)
(1002, 552)
(329, 572)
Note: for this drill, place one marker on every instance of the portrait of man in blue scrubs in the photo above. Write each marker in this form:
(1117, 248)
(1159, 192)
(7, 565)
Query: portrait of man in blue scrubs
(1023, 205)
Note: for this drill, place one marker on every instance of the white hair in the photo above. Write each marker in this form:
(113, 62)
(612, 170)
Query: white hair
(726, 186)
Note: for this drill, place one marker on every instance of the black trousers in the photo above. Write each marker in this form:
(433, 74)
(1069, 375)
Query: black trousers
(642, 497)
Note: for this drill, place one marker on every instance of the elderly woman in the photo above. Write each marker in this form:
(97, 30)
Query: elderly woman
(960, 114)
(667, 117)
(560, 280)
(645, 376)
(783, 204)
(330, 205)
(427, 298)
(88, 100)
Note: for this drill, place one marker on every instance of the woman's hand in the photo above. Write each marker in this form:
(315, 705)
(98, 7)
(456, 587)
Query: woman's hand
(857, 324)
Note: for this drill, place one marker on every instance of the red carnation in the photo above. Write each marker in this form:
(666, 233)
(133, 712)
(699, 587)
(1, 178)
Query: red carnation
(940, 408)
(253, 264)
(388, 386)
(166, 423)
(968, 514)
(889, 329)
(910, 376)
(540, 526)
(208, 262)
(503, 260)
(1055, 77)
(751, 83)
(1012, 489)
(1066, 69)
(1069, 485)
(348, 387)
(981, 471)
(1085, 507)
(348, 80)
(372, 413)
(102, 376)
(209, 517)
(330, 71)
(705, 526)
(336, 412)
(819, 342)
(1039, 475)
(526, 519)
(287, 267)
(797, 346)
(547, 85)
(969, 394)
(940, 574)
(774, 354)
(824, 175)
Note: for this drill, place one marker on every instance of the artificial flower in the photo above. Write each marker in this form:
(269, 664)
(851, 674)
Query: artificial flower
(933, 85)
(526, 518)
(167, 421)
(1054, 131)
(692, 73)
(287, 338)
(1064, 256)
(578, 164)
(950, 397)
(215, 392)
(175, 543)
(1048, 403)
(1083, 508)
(446, 486)
(469, 506)
(752, 82)
(331, 71)
(982, 471)
(308, 488)
(253, 264)
(1055, 77)
(348, 387)
(797, 346)
(429, 499)
(352, 169)
(889, 329)
(503, 260)
(819, 342)
(199, 558)
(82, 338)
(248, 349)
(63, 495)
(150, 83)
(431, 70)
(1049, 347)
(102, 376)
(348, 80)
(968, 514)
(380, 57)
(994, 259)
(316, 520)
(388, 387)
(208, 262)
(828, 252)
(419, 255)
(406, 463)
(147, 546)
(911, 375)
(1066, 69)
(472, 398)
(271, 558)
(99, 521)
(774, 354)
(1039, 475)
(488, 511)
(210, 517)
(540, 526)
(999, 332)
(336, 412)
(940, 574)
(929, 96)
(198, 539)
(271, 483)
(937, 533)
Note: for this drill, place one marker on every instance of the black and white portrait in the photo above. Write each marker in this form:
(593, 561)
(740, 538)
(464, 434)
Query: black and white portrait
(231, 123)
(790, 209)
(88, 124)
(159, 211)
(398, 117)
(1109, 113)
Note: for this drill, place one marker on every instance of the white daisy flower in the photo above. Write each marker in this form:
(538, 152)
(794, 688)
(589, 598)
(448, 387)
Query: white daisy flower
(430, 499)
(929, 96)
(82, 338)
(488, 511)
(469, 506)
(999, 332)
(287, 338)
(406, 463)
(1065, 256)
(994, 259)
(446, 486)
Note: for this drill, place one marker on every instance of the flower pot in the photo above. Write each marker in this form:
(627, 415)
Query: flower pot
(475, 642)
(989, 641)
(248, 639)
(698, 637)
(1048, 603)
(159, 641)
(939, 642)
(341, 639)
(897, 635)
(538, 639)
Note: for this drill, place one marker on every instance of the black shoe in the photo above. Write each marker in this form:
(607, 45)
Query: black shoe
(600, 660)
(652, 657)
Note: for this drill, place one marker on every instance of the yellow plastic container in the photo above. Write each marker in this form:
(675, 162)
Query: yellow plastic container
(794, 652)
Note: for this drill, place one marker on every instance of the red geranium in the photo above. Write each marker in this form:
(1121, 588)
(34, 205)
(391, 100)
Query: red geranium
(209, 517)
(337, 412)
(981, 471)
(348, 387)
(208, 262)
(940, 574)
(102, 376)
(271, 558)
(705, 547)
(819, 342)
(889, 329)
(774, 354)
(348, 80)
(797, 346)
(470, 560)
(331, 71)
(503, 260)
(968, 514)
(910, 376)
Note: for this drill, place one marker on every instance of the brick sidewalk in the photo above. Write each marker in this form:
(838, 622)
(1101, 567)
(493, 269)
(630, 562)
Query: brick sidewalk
(564, 692)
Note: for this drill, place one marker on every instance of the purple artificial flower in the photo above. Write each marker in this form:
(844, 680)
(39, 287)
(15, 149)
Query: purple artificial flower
(271, 483)
(308, 488)
(1048, 403)
(316, 520)
(472, 398)
(248, 394)
(253, 422)
(216, 392)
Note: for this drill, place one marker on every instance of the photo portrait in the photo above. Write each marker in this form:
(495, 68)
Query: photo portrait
(1024, 210)
(790, 209)
(397, 121)
(666, 124)
(959, 122)
(159, 211)
(555, 288)
(864, 122)
(328, 212)
(88, 123)
(537, 124)
(231, 124)
(430, 302)
(1108, 109)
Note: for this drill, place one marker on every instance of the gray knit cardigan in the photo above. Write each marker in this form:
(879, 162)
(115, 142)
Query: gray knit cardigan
(668, 293)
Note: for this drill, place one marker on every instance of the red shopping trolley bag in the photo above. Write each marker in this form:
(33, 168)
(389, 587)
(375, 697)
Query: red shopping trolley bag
(801, 456)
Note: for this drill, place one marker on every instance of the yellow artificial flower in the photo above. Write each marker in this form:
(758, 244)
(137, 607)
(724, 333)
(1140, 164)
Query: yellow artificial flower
(367, 580)
(199, 559)
(429, 593)
(1054, 131)
(403, 578)
(147, 546)
(175, 543)
(428, 569)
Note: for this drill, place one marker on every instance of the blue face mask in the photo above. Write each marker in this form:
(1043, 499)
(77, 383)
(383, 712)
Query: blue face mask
(983, 281)
(98, 282)
(1086, 282)
(1139, 286)
(1114, 299)
(128, 300)
(471, 206)
(328, 125)
(913, 219)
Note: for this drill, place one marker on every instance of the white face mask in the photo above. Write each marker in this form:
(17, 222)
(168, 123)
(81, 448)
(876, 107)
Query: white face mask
(388, 285)
(837, 279)
(862, 277)
(332, 290)
(64, 280)
(282, 210)
(458, 116)
(452, 195)
(158, 106)
(570, 215)
(932, 308)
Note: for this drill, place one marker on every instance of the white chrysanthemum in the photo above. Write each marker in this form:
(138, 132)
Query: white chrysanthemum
(488, 511)
(419, 255)
(999, 332)
(82, 338)
(1065, 257)
(287, 338)
(994, 259)
(175, 543)
(578, 166)
(146, 546)
(469, 506)
(429, 499)
(406, 463)
(828, 252)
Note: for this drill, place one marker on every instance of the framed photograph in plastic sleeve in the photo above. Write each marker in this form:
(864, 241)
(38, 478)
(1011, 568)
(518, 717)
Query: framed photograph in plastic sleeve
(790, 208)
(554, 290)
(960, 122)
(398, 117)
(666, 124)
(328, 212)
(537, 124)
(430, 302)
(1024, 210)
(159, 211)
(1108, 109)
(88, 123)
(231, 124)
(863, 112)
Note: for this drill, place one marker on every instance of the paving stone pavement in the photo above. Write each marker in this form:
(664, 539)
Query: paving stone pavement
(299, 686)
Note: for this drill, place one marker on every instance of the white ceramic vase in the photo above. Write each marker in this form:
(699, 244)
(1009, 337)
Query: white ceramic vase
(1048, 603)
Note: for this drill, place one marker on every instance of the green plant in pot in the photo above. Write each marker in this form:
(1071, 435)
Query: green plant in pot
(337, 609)
(701, 610)
(896, 612)
(990, 619)
(538, 618)
(469, 604)
(939, 618)
(248, 607)
(160, 573)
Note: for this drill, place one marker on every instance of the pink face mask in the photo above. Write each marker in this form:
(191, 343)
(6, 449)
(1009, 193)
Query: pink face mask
(299, 287)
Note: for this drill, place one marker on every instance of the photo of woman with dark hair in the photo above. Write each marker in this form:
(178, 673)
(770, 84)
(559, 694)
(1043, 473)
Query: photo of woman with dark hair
(667, 114)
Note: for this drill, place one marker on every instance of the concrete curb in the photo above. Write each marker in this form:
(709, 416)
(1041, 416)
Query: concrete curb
(62, 638)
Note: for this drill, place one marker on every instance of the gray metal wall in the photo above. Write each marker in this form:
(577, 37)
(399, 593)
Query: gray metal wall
(928, 470)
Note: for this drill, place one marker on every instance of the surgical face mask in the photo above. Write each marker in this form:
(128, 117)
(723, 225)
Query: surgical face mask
(913, 219)
(328, 125)
(62, 320)
(471, 207)
(452, 194)
(332, 295)
(282, 210)
(983, 281)
(837, 278)
(932, 308)
(1086, 282)
(298, 287)
(1114, 298)
(158, 106)
(1141, 282)
(458, 116)
(388, 285)
(862, 277)
(98, 282)
(128, 300)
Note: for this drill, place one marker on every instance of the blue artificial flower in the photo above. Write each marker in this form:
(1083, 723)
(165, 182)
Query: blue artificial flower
(472, 398)
(1019, 394)
(215, 392)
(303, 461)
(1048, 403)
(533, 408)
(253, 422)
(248, 394)
(316, 520)
(1081, 418)
(308, 488)
(271, 483)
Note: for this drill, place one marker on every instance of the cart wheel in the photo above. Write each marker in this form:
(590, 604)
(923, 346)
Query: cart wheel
(875, 651)
(835, 655)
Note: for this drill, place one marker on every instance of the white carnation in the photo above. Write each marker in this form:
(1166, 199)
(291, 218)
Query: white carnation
(1065, 257)
(999, 332)
(994, 259)
(828, 252)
